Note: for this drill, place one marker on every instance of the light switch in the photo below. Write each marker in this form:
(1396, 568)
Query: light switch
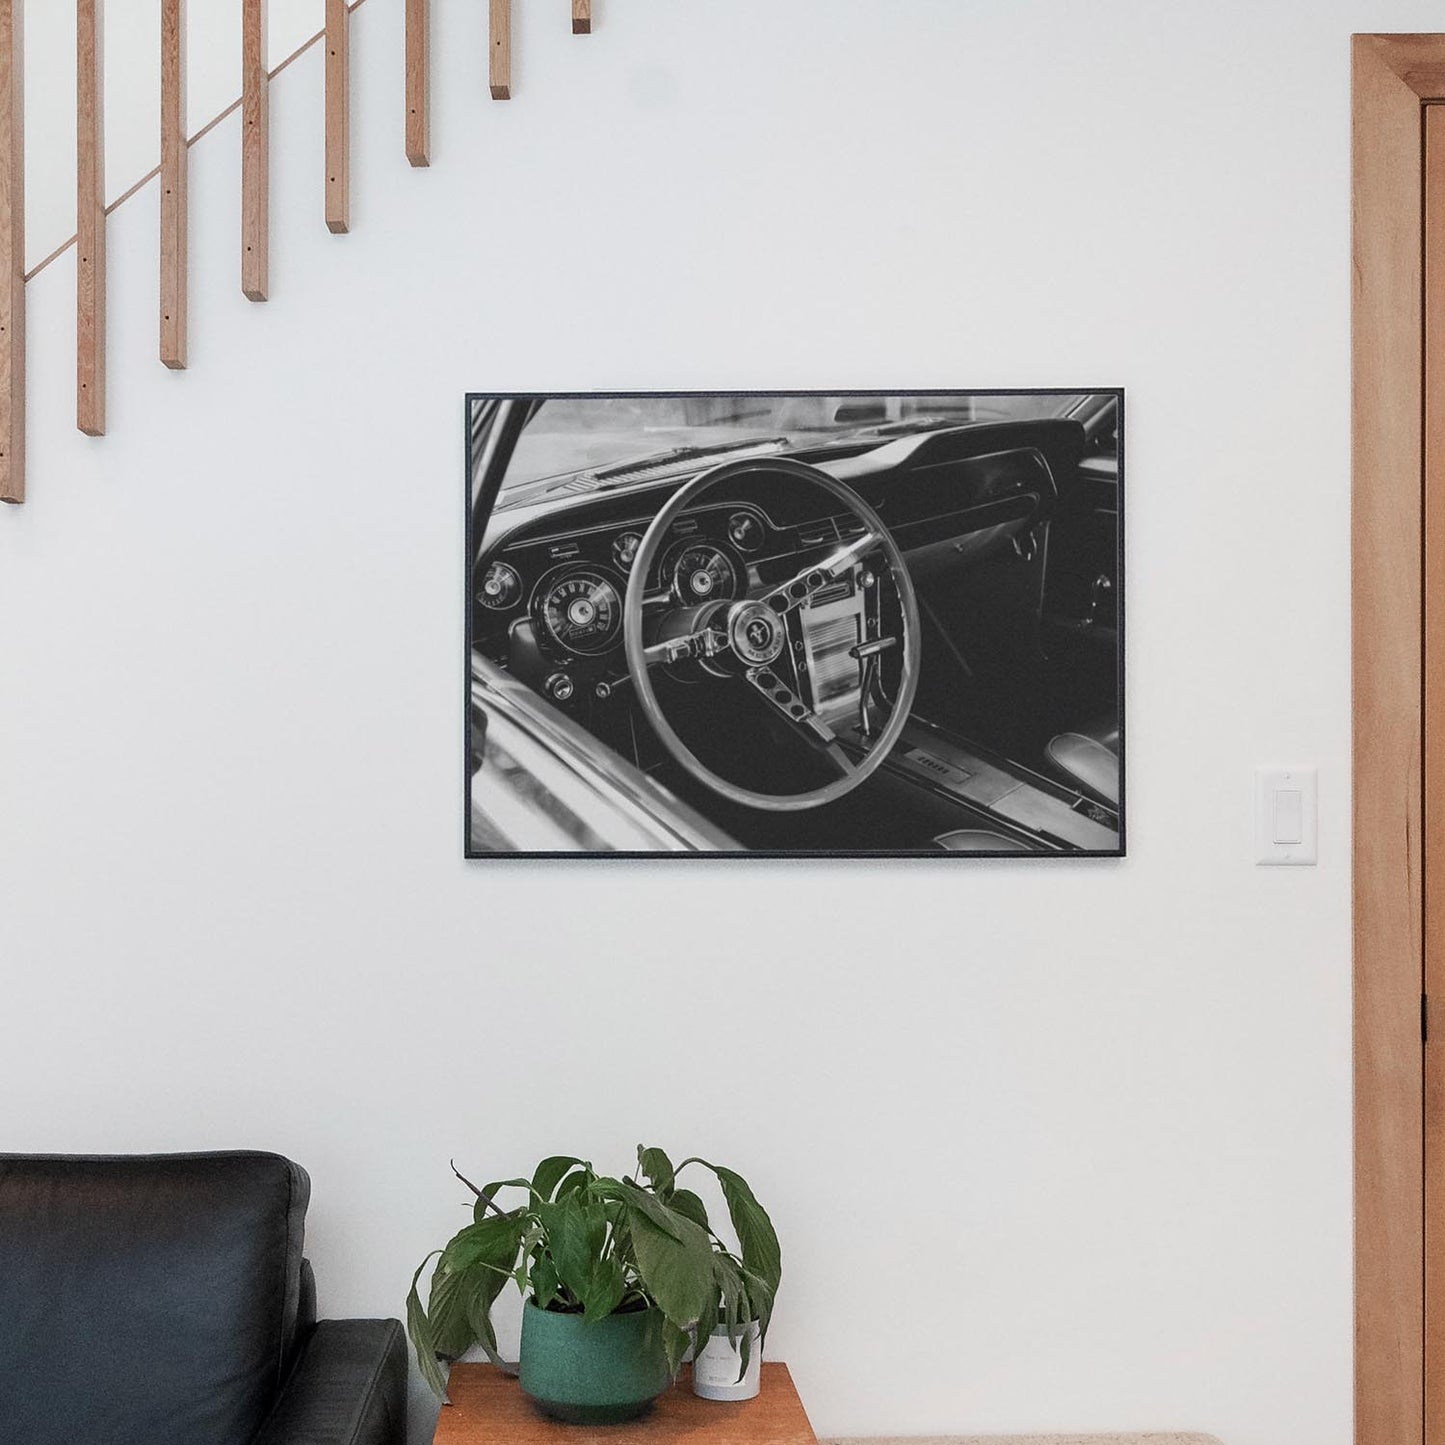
(1289, 816)
(1286, 816)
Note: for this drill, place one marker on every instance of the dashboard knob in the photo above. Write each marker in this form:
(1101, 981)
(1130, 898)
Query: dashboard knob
(559, 687)
(745, 531)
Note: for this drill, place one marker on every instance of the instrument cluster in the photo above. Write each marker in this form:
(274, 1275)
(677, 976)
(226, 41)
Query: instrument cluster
(574, 595)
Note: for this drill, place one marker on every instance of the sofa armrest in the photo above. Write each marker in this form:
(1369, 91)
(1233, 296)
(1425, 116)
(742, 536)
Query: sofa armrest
(348, 1388)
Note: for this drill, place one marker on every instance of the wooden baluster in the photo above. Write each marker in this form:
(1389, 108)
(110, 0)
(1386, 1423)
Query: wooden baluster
(582, 17)
(500, 48)
(418, 82)
(255, 154)
(338, 116)
(174, 234)
(12, 252)
(90, 220)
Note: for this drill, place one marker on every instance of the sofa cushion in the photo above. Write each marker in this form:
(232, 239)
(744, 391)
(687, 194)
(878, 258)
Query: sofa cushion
(146, 1300)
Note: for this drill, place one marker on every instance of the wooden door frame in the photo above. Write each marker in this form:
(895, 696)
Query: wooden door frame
(1393, 78)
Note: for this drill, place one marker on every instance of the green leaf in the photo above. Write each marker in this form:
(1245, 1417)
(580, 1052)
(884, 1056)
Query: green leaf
(657, 1169)
(469, 1276)
(706, 1323)
(419, 1328)
(544, 1281)
(485, 1205)
(640, 1200)
(550, 1173)
(687, 1204)
(745, 1353)
(756, 1235)
(479, 1313)
(494, 1240)
(605, 1289)
(735, 1310)
(674, 1343)
(447, 1311)
(676, 1267)
(576, 1180)
(568, 1243)
(758, 1303)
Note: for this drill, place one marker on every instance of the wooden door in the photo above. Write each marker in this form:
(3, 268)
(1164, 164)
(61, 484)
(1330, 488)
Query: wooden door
(1398, 571)
(1433, 693)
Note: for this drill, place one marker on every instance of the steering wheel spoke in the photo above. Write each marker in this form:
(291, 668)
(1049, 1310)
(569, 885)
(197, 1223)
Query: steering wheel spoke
(704, 643)
(799, 590)
(785, 701)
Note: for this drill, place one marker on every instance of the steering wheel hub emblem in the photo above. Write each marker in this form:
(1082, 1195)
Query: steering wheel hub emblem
(757, 633)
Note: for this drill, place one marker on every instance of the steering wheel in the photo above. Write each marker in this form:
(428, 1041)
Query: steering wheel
(755, 640)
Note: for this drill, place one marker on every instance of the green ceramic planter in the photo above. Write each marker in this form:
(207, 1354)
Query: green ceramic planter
(592, 1374)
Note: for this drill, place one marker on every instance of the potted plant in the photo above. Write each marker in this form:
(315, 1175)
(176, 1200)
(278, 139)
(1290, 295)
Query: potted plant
(615, 1273)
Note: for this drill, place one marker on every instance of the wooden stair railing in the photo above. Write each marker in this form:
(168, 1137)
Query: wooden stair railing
(500, 61)
(89, 220)
(338, 117)
(91, 209)
(12, 253)
(255, 154)
(418, 76)
(175, 234)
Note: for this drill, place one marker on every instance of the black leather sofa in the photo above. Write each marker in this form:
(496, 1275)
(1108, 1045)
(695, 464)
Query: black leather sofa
(164, 1300)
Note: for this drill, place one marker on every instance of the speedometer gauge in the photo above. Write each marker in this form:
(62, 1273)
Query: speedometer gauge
(701, 573)
(579, 611)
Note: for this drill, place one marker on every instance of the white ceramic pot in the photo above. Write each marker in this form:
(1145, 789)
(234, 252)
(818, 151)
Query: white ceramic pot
(717, 1367)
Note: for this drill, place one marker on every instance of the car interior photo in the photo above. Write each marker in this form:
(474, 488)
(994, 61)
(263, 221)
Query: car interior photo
(843, 624)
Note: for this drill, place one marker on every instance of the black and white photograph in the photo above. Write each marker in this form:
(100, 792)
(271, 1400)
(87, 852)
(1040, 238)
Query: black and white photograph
(843, 624)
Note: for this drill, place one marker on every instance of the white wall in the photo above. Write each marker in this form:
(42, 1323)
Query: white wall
(1048, 1146)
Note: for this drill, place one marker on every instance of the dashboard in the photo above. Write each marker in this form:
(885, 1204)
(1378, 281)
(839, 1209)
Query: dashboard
(549, 582)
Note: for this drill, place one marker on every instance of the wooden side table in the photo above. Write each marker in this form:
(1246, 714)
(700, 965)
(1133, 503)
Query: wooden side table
(489, 1408)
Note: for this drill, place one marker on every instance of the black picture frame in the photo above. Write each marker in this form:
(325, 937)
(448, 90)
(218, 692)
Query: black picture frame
(477, 509)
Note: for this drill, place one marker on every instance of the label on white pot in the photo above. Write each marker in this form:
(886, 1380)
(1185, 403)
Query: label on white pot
(717, 1372)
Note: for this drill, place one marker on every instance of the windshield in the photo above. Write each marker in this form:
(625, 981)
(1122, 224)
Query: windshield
(594, 434)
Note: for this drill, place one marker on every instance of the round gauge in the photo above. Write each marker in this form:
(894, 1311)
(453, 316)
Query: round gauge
(624, 549)
(701, 573)
(745, 531)
(501, 587)
(579, 611)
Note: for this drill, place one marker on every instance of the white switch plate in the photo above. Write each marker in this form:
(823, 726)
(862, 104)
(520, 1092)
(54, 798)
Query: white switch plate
(1286, 816)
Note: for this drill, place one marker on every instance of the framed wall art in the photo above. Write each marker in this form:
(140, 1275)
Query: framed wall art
(795, 623)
